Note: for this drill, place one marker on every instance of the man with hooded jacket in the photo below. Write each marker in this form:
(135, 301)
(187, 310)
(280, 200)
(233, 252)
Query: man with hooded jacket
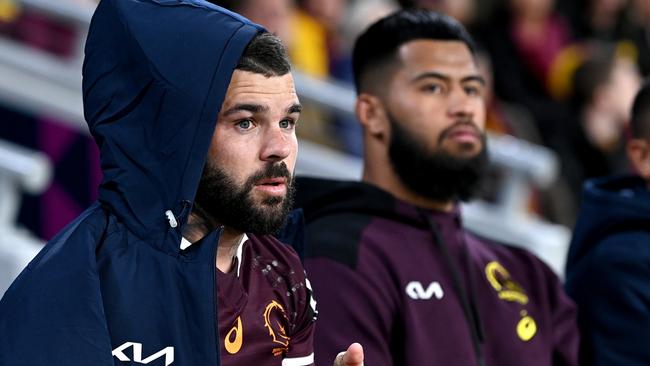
(389, 258)
(174, 265)
(608, 269)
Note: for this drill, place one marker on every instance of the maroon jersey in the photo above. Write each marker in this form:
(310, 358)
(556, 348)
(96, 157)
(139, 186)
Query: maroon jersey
(266, 311)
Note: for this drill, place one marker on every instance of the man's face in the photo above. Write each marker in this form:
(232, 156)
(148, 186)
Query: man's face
(621, 88)
(437, 114)
(247, 180)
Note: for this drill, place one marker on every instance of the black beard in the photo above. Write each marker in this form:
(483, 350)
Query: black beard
(439, 175)
(234, 207)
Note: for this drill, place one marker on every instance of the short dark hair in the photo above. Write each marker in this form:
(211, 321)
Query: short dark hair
(640, 122)
(594, 72)
(377, 47)
(407, 3)
(266, 55)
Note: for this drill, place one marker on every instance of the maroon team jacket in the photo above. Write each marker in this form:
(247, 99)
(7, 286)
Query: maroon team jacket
(414, 288)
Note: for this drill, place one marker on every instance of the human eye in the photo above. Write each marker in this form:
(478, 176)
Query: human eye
(287, 123)
(245, 124)
(473, 90)
(434, 88)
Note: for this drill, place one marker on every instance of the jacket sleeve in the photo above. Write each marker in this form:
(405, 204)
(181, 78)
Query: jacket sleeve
(565, 333)
(350, 311)
(612, 290)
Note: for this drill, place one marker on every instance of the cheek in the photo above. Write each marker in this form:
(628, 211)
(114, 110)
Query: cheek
(232, 160)
(291, 159)
(479, 113)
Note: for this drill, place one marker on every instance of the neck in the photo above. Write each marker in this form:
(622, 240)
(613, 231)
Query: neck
(200, 223)
(379, 172)
(227, 249)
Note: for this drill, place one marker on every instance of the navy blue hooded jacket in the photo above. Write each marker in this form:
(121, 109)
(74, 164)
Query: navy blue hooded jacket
(113, 288)
(608, 272)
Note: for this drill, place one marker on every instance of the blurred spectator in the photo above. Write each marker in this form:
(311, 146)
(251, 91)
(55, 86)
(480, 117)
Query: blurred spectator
(330, 15)
(604, 86)
(9, 10)
(554, 203)
(36, 29)
(523, 41)
(613, 20)
(639, 33)
(275, 15)
(360, 14)
(596, 19)
(462, 10)
(304, 36)
(503, 117)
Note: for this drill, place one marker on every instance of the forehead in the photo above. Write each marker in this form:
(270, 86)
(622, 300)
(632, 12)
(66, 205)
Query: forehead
(423, 55)
(249, 87)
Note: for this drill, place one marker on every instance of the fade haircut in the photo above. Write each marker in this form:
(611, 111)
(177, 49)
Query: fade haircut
(640, 122)
(375, 51)
(266, 55)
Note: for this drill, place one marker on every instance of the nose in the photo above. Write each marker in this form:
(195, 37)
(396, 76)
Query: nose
(461, 105)
(277, 145)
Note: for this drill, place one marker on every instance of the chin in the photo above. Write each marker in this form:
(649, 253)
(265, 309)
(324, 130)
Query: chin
(466, 151)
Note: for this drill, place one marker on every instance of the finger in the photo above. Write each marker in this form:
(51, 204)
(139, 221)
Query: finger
(338, 361)
(353, 356)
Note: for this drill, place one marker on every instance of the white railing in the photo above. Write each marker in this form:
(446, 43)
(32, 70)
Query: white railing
(21, 170)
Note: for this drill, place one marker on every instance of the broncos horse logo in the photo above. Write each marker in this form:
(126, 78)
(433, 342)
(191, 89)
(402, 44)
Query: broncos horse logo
(276, 329)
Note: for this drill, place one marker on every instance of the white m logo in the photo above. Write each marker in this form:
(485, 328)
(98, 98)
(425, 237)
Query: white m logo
(416, 291)
(137, 354)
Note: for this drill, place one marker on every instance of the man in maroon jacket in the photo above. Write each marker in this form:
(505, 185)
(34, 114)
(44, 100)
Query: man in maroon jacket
(391, 264)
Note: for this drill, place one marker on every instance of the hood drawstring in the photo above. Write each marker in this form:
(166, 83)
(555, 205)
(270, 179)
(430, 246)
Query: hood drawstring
(467, 299)
(172, 219)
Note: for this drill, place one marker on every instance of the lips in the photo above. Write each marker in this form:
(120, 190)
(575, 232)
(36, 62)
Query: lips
(274, 186)
(271, 181)
(464, 133)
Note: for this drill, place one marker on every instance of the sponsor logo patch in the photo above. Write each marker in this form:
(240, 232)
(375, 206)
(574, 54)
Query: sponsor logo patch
(167, 352)
(509, 290)
(416, 291)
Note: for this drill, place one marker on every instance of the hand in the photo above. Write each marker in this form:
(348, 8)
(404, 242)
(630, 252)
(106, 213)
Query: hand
(352, 357)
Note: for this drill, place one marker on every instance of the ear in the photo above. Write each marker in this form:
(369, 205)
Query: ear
(638, 151)
(371, 113)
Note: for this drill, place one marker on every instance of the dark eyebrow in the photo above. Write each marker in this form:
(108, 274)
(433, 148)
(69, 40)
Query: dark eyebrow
(437, 75)
(296, 108)
(253, 108)
(478, 78)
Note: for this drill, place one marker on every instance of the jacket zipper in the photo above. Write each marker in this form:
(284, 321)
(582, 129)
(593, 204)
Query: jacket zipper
(468, 300)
